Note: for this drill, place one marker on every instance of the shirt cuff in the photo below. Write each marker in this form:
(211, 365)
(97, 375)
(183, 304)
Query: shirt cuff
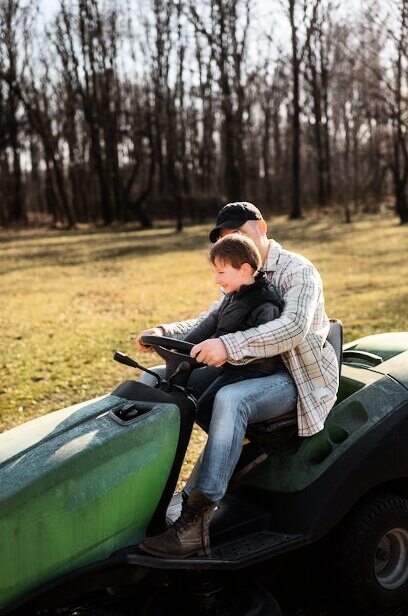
(234, 344)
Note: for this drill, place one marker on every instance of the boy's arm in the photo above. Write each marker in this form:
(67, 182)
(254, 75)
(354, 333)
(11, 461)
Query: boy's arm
(180, 329)
(204, 329)
(285, 332)
(265, 313)
(208, 327)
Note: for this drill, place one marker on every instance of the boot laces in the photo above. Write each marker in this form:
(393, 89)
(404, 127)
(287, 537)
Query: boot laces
(188, 516)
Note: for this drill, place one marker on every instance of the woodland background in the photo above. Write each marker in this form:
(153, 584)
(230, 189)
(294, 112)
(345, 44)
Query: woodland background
(116, 112)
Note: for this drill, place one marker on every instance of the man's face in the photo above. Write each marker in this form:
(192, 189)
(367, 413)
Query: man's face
(250, 229)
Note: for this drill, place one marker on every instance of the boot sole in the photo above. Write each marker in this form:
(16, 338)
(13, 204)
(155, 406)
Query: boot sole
(162, 555)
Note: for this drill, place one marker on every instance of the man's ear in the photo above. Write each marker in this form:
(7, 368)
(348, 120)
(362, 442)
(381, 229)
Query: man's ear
(263, 227)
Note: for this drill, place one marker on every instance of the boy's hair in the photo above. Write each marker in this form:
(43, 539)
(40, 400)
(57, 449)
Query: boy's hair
(236, 249)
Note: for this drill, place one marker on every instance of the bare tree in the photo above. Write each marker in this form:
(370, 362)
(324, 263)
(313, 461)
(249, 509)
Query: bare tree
(317, 74)
(299, 42)
(205, 96)
(226, 32)
(11, 17)
(399, 164)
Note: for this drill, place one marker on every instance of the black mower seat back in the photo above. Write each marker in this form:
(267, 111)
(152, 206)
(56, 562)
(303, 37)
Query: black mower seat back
(335, 337)
(281, 431)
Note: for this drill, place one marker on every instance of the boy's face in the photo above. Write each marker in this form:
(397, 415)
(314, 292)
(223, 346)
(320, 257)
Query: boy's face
(230, 278)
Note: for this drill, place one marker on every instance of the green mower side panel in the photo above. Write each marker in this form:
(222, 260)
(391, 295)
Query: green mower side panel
(385, 345)
(76, 485)
(367, 396)
(391, 347)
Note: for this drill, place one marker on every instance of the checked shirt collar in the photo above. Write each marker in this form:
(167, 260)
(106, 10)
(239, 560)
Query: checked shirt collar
(272, 257)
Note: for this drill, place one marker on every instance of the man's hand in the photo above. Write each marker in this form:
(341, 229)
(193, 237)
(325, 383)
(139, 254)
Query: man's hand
(153, 331)
(211, 352)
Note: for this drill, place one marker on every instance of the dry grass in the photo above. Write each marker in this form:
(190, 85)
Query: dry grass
(69, 299)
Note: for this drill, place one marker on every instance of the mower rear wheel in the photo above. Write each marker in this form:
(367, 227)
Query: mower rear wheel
(370, 553)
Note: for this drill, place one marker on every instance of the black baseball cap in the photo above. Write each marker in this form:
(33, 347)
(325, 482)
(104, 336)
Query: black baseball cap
(233, 216)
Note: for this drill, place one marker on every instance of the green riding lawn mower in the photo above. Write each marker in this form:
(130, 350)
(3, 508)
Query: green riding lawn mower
(82, 486)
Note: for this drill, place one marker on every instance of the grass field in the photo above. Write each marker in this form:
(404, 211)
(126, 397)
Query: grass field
(69, 299)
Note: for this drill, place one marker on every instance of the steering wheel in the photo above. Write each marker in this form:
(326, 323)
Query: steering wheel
(170, 344)
(176, 353)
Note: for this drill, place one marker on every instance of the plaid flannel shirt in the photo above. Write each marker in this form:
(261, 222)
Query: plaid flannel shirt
(298, 335)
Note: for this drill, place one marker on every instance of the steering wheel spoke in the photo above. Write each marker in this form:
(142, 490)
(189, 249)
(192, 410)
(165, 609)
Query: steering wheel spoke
(175, 353)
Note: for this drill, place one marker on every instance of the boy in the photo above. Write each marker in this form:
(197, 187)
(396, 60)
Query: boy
(249, 301)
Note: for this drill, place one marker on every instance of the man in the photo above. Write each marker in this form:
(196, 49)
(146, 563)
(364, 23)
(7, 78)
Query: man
(308, 380)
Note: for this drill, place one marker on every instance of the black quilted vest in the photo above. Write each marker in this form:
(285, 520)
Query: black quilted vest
(237, 308)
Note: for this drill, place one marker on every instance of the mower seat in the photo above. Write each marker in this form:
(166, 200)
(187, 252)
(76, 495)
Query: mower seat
(281, 432)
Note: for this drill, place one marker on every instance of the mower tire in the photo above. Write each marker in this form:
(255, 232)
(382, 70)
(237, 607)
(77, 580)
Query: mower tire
(369, 553)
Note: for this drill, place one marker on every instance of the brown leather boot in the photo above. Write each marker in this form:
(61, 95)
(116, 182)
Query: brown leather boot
(189, 533)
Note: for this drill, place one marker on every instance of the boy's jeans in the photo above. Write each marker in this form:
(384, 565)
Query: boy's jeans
(235, 406)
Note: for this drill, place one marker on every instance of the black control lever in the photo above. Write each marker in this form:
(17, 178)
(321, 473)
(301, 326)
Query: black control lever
(132, 363)
(182, 368)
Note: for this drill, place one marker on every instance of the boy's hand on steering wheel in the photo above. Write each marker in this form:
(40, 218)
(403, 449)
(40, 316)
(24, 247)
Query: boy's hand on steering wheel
(153, 331)
(211, 352)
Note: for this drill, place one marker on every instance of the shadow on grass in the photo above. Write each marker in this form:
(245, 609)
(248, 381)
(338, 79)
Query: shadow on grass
(27, 249)
(11, 236)
(304, 231)
(73, 249)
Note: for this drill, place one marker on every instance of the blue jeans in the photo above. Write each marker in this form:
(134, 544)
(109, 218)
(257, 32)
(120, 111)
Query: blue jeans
(235, 406)
(231, 375)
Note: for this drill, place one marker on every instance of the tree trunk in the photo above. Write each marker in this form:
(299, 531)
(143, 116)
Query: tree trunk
(317, 127)
(324, 69)
(401, 206)
(345, 197)
(400, 147)
(266, 137)
(296, 211)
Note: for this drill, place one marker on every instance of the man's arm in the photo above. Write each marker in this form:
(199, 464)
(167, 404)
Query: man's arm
(301, 296)
(180, 329)
(213, 351)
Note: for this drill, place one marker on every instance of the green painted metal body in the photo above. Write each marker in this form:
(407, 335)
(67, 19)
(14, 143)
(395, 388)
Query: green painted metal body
(385, 345)
(367, 395)
(76, 485)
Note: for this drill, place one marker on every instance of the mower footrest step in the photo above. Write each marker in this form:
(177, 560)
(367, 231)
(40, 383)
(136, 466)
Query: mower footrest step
(233, 554)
